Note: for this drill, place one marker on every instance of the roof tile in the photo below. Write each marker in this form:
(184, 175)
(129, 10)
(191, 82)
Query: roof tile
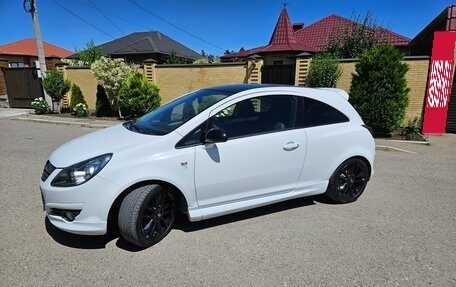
(27, 47)
(310, 38)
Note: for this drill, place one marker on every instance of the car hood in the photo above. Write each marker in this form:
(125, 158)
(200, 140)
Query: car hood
(109, 140)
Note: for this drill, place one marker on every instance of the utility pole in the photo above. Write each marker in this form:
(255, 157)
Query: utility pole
(30, 7)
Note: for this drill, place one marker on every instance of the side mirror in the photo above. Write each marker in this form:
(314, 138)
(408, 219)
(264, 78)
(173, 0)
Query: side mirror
(215, 136)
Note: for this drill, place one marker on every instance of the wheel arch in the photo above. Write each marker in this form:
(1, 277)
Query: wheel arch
(181, 201)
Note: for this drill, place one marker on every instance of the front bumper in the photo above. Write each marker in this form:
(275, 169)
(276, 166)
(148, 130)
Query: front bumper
(89, 204)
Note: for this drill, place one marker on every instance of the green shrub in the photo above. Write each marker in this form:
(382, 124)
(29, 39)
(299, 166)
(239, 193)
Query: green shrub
(56, 86)
(379, 89)
(81, 110)
(137, 96)
(324, 71)
(40, 106)
(102, 106)
(412, 130)
(76, 97)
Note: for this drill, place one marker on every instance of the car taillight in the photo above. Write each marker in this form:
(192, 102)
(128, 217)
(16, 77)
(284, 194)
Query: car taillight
(369, 129)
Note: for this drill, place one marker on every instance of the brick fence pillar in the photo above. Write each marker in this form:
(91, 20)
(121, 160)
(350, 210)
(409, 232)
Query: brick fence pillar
(302, 69)
(60, 67)
(3, 64)
(150, 71)
(254, 65)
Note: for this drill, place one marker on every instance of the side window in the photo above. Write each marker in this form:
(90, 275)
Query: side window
(315, 113)
(255, 116)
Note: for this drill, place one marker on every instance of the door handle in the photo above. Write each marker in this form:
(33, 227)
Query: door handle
(289, 146)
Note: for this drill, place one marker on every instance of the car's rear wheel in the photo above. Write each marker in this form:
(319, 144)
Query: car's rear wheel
(146, 215)
(348, 181)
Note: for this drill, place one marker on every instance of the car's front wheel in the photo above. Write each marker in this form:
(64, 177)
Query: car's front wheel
(348, 181)
(146, 215)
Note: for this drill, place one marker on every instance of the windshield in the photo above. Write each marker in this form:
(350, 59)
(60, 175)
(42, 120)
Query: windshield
(169, 117)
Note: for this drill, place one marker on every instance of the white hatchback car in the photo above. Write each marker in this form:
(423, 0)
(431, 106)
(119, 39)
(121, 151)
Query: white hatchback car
(208, 153)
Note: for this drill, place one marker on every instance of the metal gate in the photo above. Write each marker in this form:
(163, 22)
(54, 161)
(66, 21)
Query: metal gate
(451, 114)
(22, 86)
(278, 74)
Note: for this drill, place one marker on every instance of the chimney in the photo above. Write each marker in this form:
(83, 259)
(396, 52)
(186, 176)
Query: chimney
(297, 26)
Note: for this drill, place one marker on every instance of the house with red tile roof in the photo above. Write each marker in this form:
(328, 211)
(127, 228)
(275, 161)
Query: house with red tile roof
(290, 40)
(24, 53)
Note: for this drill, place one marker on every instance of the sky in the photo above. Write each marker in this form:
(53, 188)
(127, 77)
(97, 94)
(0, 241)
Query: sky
(212, 26)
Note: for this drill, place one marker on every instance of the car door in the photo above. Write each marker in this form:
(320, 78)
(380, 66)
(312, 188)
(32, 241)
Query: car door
(264, 153)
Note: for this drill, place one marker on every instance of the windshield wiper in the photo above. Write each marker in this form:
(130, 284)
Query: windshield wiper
(132, 126)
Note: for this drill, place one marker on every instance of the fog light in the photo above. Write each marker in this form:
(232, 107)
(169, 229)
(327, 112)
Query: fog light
(68, 215)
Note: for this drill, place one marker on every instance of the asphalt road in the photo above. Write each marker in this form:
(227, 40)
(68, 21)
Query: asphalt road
(401, 232)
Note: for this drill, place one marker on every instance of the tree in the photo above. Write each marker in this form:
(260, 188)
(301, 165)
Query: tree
(76, 97)
(56, 87)
(89, 54)
(379, 89)
(324, 71)
(111, 72)
(102, 105)
(353, 39)
(138, 96)
(174, 59)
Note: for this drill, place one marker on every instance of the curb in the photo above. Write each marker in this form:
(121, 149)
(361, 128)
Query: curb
(81, 124)
(412, 142)
(389, 148)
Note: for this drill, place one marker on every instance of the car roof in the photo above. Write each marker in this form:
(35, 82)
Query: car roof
(238, 88)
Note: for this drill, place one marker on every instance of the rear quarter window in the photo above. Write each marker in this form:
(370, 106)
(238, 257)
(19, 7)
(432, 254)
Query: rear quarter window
(314, 113)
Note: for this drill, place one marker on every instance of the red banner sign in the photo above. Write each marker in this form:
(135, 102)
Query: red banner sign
(439, 83)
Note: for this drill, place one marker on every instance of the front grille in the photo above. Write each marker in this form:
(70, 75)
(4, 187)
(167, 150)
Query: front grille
(48, 169)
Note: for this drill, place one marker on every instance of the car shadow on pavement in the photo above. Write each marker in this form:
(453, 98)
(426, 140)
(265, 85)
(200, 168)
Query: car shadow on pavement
(182, 222)
(78, 241)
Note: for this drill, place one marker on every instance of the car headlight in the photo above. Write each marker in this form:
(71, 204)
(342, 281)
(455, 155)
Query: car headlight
(81, 172)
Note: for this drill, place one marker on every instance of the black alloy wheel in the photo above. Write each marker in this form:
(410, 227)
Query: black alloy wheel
(348, 181)
(146, 215)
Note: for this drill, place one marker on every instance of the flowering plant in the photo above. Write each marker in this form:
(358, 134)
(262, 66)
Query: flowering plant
(80, 110)
(111, 72)
(40, 106)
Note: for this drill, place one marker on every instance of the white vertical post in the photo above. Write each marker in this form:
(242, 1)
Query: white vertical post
(39, 45)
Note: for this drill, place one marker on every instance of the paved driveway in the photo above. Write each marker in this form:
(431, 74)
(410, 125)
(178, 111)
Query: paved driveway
(402, 231)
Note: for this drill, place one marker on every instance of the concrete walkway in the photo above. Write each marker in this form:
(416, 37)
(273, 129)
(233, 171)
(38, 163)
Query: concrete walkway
(29, 115)
(9, 113)
(67, 120)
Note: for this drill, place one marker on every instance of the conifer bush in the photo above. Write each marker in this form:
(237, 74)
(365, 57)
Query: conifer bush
(379, 89)
(102, 105)
(137, 96)
(76, 97)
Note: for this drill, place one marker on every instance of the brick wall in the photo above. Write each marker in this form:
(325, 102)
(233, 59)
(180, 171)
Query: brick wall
(3, 64)
(176, 80)
(84, 78)
(416, 80)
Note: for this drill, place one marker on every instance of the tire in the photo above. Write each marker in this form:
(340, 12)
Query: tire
(348, 181)
(146, 215)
